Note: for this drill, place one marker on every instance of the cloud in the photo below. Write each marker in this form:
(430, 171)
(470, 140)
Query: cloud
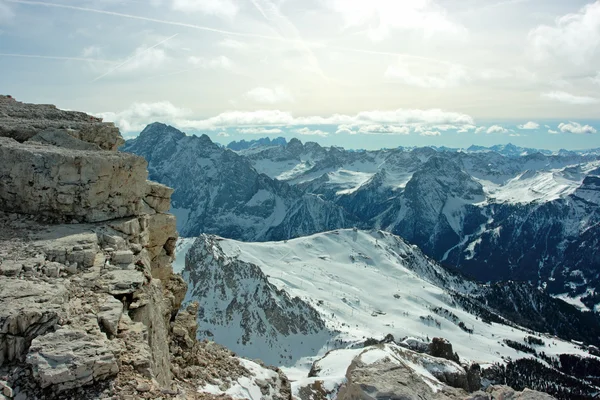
(221, 62)
(596, 79)
(381, 17)
(573, 37)
(220, 8)
(138, 115)
(6, 14)
(265, 95)
(260, 131)
(223, 134)
(530, 126)
(553, 132)
(496, 129)
(574, 127)
(373, 129)
(393, 122)
(430, 133)
(446, 77)
(569, 98)
(311, 132)
(480, 129)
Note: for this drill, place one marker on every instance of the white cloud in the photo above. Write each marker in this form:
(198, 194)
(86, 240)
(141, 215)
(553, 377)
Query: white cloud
(530, 126)
(422, 16)
(553, 132)
(138, 115)
(6, 14)
(388, 122)
(223, 134)
(480, 129)
(496, 129)
(260, 131)
(220, 62)
(275, 95)
(311, 132)
(446, 77)
(430, 133)
(573, 37)
(596, 79)
(569, 98)
(373, 129)
(221, 8)
(577, 128)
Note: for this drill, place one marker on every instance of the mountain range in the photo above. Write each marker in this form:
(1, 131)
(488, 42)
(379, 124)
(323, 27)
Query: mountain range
(495, 214)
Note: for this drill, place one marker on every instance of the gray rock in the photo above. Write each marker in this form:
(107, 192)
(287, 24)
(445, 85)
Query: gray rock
(122, 257)
(63, 138)
(22, 121)
(110, 313)
(29, 309)
(11, 268)
(70, 184)
(68, 359)
(123, 281)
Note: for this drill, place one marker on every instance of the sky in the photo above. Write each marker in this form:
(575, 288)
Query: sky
(355, 73)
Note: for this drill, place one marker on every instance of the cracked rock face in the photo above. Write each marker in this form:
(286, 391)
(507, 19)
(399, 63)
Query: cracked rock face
(87, 290)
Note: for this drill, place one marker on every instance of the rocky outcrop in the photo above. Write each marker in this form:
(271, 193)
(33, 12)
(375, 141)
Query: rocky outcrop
(89, 301)
(242, 310)
(388, 371)
(70, 185)
(22, 121)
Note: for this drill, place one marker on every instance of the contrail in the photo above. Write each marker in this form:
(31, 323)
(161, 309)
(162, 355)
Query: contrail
(56, 57)
(272, 13)
(133, 57)
(158, 21)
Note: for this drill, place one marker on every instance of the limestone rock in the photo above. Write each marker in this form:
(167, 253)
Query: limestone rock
(62, 138)
(22, 121)
(110, 314)
(29, 309)
(158, 196)
(120, 282)
(70, 184)
(67, 359)
(122, 257)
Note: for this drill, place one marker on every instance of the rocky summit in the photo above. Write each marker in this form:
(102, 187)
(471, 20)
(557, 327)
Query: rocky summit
(90, 306)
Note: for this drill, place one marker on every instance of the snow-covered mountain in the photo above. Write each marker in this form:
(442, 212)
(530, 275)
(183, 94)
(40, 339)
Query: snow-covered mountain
(334, 290)
(219, 191)
(495, 213)
(522, 216)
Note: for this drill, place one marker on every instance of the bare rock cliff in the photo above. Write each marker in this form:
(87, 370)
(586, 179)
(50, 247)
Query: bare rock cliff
(89, 304)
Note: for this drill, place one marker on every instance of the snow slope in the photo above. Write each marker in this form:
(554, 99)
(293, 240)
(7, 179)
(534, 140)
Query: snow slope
(370, 284)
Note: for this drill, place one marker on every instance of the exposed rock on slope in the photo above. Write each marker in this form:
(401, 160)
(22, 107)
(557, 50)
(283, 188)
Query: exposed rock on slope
(243, 311)
(87, 308)
(219, 192)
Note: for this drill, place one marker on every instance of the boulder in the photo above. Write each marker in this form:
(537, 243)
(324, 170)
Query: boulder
(68, 359)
